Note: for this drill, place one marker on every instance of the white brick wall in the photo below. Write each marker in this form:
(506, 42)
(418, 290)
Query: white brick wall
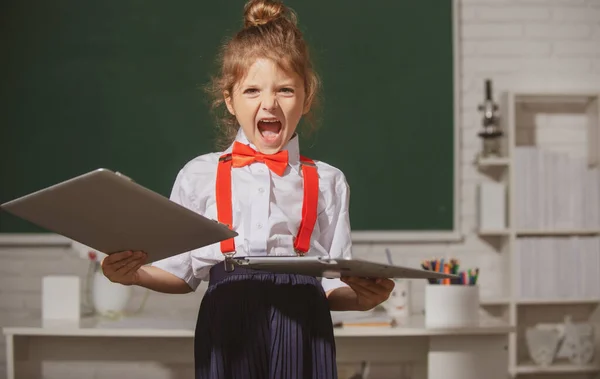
(541, 44)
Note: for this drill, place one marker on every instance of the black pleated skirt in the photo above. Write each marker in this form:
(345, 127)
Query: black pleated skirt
(259, 325)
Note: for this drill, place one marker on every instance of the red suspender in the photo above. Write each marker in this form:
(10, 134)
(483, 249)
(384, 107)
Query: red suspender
(309, 203)
(223, 197)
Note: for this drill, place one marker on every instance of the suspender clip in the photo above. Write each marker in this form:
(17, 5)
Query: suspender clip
(306, 163)
(228, 262)
(299, 253)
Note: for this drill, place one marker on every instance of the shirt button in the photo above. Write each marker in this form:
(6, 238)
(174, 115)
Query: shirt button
(261, 190)
(259, 225)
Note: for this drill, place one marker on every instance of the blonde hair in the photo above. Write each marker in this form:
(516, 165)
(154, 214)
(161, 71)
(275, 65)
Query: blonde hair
(270, 31)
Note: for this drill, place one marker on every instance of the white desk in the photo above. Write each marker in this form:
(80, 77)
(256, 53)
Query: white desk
(472, 352)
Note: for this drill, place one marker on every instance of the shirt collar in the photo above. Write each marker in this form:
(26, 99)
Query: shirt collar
(293, 148)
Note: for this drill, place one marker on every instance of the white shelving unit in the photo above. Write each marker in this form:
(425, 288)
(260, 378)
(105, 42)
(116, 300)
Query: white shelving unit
(525, 311)
(532, 368)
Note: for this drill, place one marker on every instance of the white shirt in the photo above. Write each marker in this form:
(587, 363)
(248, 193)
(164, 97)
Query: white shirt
(266, 210)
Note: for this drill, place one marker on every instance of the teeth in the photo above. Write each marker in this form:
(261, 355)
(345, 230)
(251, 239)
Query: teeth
(269, 120)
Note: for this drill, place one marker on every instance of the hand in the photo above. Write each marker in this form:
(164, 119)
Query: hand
(369, 292)
(122, 267)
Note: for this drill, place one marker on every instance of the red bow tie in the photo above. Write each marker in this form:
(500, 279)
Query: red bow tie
(243, 155)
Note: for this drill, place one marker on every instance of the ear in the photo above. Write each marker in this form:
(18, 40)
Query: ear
(307, 103)
(229, 102)
(307, 106)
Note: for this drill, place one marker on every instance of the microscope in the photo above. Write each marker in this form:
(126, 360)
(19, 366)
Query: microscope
(491, 133)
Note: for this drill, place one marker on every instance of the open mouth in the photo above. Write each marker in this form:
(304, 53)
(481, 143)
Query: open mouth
(269, 128)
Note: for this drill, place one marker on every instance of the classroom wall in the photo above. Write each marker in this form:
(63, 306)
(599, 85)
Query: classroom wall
(518, 43)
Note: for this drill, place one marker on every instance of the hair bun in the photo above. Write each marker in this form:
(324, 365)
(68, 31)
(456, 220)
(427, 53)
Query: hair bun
(260, 12)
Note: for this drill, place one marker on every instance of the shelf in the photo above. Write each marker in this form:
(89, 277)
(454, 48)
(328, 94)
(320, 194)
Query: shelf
(557, 301)
(575, 97)
(493, 162)
(491, 302)
(494, 233)
(558, 232)
(566, 368)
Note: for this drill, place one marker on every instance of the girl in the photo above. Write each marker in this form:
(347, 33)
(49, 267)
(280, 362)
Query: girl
(255, 324)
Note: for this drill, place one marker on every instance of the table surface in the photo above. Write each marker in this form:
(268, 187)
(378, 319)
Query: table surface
(149, 326)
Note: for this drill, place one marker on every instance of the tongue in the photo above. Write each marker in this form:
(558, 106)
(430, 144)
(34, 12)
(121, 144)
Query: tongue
(269, 129)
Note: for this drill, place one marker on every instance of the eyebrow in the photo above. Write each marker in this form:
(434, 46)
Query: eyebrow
(252, 84)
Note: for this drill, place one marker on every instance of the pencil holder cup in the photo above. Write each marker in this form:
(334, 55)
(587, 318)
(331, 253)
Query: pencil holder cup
(448, 306)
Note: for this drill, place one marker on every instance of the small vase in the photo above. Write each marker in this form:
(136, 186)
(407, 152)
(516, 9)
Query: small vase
(109, 299)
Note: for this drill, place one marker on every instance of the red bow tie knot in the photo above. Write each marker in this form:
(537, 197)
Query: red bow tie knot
(243, 155)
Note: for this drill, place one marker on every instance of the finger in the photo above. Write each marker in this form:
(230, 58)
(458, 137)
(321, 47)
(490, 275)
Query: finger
(372, 297)
(362, 289)
(117, 267)
(368, 296)
(143, 255)
(127, 265)
(379, 284)
(144, 258)
(370, 283)
(134, 268)
(388, 284)
(108, 266)
(117, 257)
(352, 279)
(131, 255)
(381, 291)
(140, 255)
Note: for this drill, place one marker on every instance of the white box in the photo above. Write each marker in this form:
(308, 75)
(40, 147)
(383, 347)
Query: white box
(61, 298)
(492, 206)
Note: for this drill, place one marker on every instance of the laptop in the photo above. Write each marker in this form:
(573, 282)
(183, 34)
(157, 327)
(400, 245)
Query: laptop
(334, 268)
(109, 212)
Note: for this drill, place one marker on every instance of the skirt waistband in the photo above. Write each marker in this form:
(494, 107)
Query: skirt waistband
(218, 273)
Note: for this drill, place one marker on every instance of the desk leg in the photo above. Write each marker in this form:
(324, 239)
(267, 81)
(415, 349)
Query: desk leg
(467, 357)
(10, 357)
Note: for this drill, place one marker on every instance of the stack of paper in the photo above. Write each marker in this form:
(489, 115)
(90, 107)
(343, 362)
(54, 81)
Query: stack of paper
(371, 318)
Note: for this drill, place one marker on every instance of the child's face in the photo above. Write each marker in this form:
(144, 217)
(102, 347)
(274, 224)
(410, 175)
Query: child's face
(268, 104)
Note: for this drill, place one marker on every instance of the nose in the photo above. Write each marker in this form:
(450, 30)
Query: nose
(269, 102)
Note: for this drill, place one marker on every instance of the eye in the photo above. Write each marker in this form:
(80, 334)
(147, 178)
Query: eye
(287, 90)
(250, 91)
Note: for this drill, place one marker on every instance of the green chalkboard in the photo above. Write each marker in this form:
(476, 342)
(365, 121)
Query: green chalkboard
(117, 84)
